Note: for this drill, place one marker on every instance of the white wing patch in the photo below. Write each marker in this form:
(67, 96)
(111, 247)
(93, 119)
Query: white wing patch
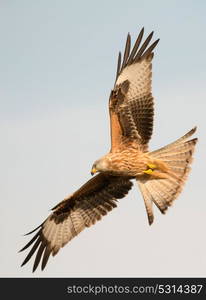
(139, 76)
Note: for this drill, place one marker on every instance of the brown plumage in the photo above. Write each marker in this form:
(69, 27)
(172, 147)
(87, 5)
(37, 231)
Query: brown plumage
(160, 174)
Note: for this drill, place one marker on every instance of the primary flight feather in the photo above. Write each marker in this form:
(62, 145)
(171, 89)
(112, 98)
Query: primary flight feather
(160, 174)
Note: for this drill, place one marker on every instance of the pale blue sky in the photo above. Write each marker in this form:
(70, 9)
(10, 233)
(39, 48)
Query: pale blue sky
(57, 67)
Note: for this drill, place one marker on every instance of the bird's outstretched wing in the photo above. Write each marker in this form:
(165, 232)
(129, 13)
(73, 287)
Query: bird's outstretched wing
(131, 102)
(82, 209)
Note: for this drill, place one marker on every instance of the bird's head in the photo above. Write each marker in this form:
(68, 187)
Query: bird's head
(100, 165)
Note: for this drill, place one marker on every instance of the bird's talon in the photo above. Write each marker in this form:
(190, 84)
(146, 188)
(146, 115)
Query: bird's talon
(149, 171)
(152, 166)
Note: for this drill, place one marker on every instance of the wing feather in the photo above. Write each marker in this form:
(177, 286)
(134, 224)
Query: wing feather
(136, 46)
(118, 64)
(80, 210)
(126, 51)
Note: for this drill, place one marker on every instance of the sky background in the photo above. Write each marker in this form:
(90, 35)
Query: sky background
(57, 67)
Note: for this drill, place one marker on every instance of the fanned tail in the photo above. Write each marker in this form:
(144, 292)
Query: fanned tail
(177, 156)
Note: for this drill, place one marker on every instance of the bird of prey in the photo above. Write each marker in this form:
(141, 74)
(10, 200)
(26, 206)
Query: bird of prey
(160, 174)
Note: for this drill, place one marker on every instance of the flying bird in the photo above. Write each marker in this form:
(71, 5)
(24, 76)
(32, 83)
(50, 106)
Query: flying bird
(160, 174)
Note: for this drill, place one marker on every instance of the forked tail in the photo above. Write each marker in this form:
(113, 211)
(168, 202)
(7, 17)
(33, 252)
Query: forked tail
(177, 156)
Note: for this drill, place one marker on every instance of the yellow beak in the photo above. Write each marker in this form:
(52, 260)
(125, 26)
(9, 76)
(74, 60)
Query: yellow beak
(93, 171)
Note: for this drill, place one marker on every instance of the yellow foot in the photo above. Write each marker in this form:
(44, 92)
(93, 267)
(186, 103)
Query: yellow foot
(149, 171)
(152, 166)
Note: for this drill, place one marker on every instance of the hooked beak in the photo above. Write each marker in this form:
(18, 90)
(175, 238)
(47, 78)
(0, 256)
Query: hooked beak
(93, 171)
